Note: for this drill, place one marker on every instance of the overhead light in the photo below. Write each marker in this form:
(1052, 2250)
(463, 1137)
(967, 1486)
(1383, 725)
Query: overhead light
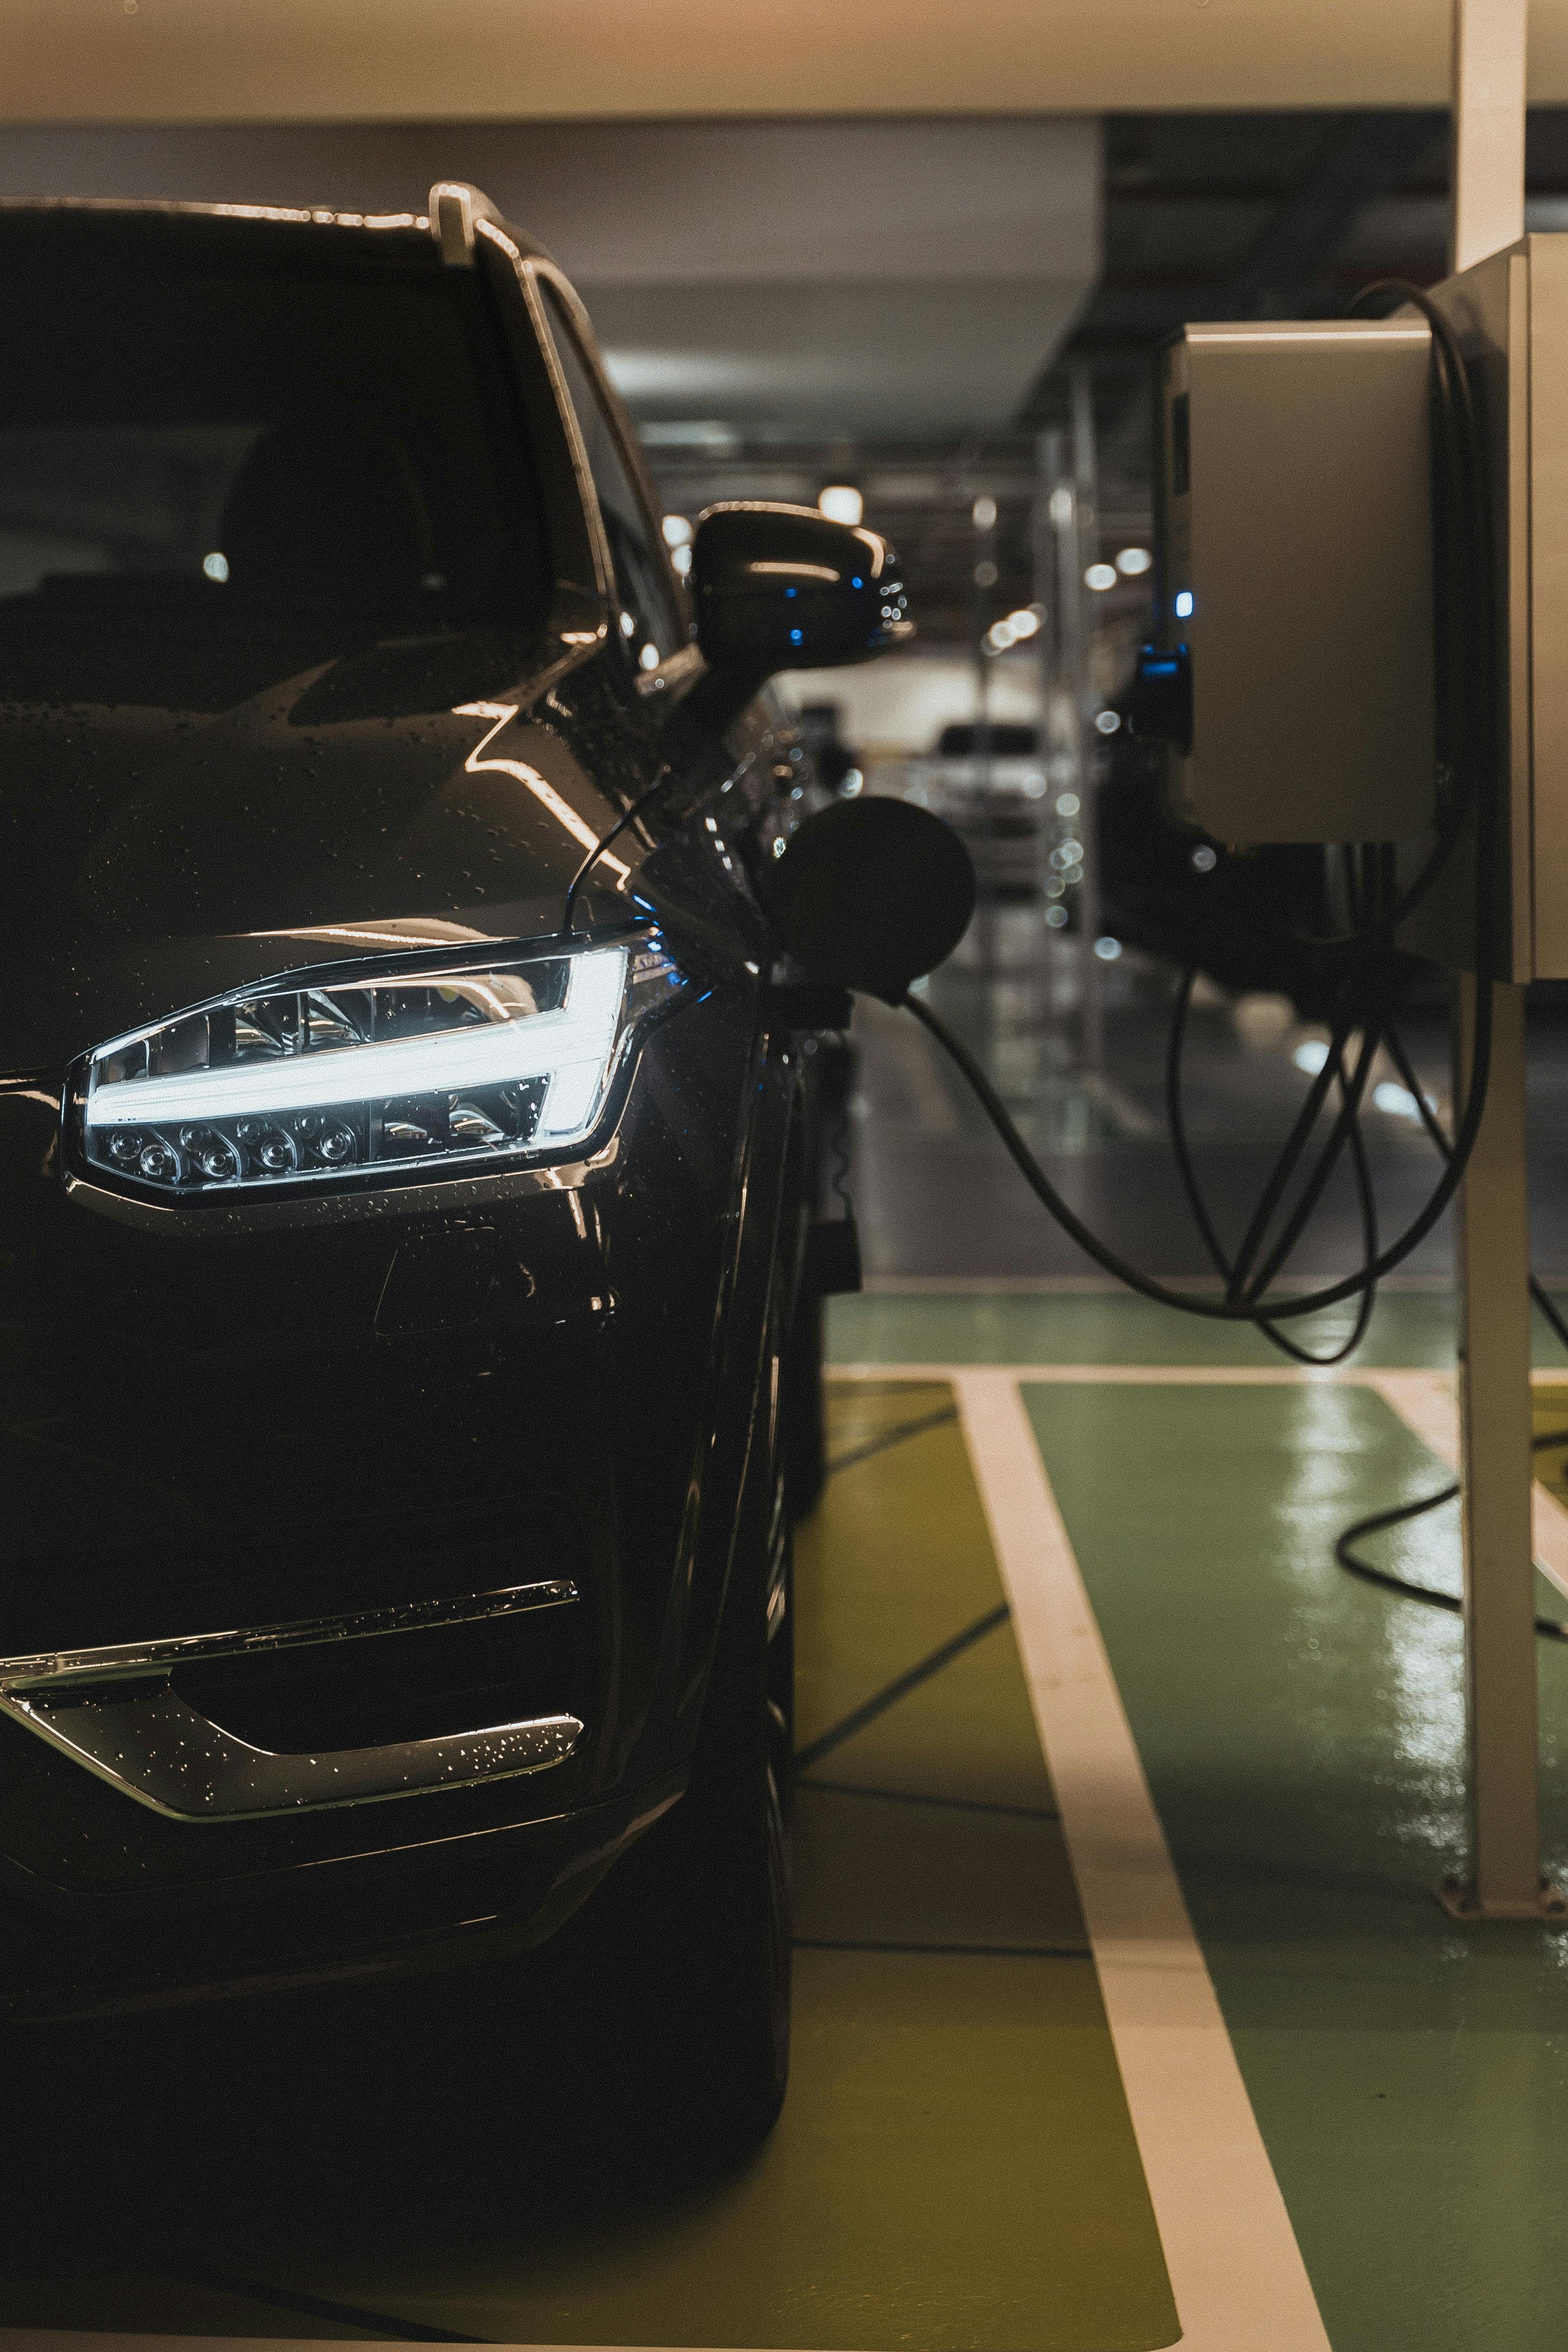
(703, 434)
(1133, 560)
(1181, 604)
(681, 557)
(1100, 576)
(840, 503)
(983, 514)
(1013, 629)
(677, 531)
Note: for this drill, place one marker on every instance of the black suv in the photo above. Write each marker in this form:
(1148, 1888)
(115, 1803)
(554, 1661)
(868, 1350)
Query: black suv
(406, 1146)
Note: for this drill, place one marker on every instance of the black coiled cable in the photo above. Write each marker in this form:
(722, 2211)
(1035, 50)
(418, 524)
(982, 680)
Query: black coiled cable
(1468, 762)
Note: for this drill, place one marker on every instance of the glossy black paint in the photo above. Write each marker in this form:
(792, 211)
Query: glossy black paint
(786, 588)
(245, 1412)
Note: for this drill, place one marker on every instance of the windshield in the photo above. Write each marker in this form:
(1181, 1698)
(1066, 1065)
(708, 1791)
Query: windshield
(221, 469)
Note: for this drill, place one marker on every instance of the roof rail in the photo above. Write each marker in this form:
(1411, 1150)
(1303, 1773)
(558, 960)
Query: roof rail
(456, 211)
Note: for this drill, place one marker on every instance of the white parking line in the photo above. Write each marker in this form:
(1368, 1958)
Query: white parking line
(1236, 2270)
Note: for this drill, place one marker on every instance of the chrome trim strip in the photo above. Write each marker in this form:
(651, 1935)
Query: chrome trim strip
(378, 1201)
(152, 1745)
(140, 1660)
(169, 1758)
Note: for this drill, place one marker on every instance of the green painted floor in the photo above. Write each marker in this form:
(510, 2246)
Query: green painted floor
(955, 2169)
(1303, 1737)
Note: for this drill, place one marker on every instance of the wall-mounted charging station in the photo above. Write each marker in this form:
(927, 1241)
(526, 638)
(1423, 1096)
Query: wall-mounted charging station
(1296, 590)
(1294, 576)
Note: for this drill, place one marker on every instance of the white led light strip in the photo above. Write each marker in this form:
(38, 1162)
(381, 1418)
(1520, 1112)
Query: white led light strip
(580, 1037)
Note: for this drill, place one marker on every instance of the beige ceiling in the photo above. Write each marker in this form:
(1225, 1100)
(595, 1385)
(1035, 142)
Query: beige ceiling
(251, 61)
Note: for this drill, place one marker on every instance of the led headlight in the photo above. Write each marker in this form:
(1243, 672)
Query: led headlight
(400, 1069)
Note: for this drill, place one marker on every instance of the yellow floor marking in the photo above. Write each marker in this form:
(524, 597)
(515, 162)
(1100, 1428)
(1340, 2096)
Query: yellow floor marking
(1240, 2282)
(931, 1874)
(1550, 1412)
(966, 1733)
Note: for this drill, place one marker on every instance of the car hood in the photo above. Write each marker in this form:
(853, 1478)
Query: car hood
(149, 858)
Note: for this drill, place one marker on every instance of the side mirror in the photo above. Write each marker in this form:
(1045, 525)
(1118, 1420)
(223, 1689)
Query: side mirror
(872, 894)
(780, 587)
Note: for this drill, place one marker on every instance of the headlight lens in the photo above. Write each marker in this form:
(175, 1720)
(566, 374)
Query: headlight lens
(399, 1068)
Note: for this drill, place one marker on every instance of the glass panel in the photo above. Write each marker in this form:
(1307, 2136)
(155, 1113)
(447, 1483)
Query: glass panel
(224, 460)
(650, 618)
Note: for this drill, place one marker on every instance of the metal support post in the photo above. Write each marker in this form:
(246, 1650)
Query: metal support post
(1086, 549)
(1495, 1425)
(1072, 510)
(1493, 1213)
(1048, 596)
(983, 581)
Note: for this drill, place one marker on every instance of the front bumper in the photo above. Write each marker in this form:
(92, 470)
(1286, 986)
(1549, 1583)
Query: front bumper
(397, 1910)
(252, 1422)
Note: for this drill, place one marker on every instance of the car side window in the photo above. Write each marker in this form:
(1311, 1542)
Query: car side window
(651, 619)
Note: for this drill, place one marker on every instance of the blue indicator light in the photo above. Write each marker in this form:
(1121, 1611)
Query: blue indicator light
(1183, 604)
(857, 584)
(792, 591)
(1159, 668)
(796, 638)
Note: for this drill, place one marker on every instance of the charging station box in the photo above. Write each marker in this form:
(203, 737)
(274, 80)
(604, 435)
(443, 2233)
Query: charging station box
(1294, 563)
(1293, 525)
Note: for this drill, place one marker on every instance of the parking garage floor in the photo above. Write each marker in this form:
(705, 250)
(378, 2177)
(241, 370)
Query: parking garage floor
(1125, 2013)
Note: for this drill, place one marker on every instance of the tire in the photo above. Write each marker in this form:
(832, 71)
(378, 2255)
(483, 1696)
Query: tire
(692, 2011)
